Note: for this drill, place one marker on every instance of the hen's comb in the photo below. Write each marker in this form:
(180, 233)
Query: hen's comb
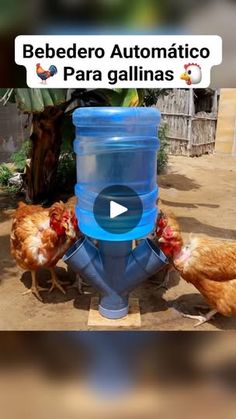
(187, 65)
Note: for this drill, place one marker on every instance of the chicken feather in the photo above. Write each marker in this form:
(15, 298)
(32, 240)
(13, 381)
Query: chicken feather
(40, 236)
(209, 264)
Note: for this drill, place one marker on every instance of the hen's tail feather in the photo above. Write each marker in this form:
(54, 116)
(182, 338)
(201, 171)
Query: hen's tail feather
(53, 70)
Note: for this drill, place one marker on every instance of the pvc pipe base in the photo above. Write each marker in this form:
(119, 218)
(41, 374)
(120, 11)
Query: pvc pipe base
(113, 314)
(132, 320)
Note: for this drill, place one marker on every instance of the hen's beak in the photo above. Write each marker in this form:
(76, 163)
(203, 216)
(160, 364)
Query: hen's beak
(185, 76)
(161, 240)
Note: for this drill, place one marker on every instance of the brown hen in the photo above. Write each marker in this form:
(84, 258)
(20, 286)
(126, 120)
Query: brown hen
(209, 264)
(40, 237)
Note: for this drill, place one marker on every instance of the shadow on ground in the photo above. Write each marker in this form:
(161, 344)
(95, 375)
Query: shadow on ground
(192, 225)
(177, 181)
(187, 205)
(56, 296)
(9, 200)
(195, 304)
(152, 291)
(6, 262)
(6, 215)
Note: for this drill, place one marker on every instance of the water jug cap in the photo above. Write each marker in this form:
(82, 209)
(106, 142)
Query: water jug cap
(104, 116)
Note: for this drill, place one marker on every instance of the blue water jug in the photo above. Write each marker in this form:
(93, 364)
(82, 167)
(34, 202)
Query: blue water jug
(116, 146)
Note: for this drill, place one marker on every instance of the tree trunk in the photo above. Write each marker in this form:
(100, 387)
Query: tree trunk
(46, 144)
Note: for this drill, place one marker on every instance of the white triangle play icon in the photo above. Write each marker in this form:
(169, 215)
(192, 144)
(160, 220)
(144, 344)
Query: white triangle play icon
(116, 209)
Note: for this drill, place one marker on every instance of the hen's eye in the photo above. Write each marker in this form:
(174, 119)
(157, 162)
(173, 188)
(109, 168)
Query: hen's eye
(189, 71)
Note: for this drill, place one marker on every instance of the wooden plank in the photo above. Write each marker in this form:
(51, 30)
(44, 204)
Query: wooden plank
(170, 137)
(226, 122)
(215, 103)
(195, 118)
(133, 319)
(175, 114)
(201, 144)
(190, 111)
(234, 140)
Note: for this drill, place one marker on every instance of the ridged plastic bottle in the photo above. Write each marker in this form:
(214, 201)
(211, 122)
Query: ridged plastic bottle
(116, 146)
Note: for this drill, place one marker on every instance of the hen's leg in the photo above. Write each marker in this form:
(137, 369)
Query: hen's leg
(80, 283)
(55, 282)
(35, 288)
(164, 284)
(201, 318)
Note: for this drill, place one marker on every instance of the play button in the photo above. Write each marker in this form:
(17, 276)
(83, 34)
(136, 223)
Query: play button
(118, 209)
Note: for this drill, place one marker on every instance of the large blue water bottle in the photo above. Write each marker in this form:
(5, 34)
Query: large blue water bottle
(116, 146)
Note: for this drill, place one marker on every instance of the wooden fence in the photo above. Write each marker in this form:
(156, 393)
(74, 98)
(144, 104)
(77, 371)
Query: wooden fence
(191, 116)
(12, 131)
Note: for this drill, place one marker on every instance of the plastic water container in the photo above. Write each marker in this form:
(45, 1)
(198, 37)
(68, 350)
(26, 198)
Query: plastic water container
(116, 146)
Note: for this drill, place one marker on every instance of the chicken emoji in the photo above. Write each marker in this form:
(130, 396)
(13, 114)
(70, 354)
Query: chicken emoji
(192, 74)
(45, 74)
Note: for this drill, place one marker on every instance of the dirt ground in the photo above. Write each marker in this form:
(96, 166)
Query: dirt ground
(202, 193)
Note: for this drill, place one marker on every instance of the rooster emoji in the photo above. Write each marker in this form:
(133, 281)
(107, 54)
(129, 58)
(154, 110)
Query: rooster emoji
(192, 74)
(45, 74)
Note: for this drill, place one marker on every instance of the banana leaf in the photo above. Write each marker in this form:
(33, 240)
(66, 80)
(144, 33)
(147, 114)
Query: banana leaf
(36, 100)
(120, 97)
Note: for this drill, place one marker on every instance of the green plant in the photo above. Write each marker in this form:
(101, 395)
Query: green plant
(5, 174)
(48, 108)
(19, 157)
(162, 156)
(12, 189)
(66, 171)
(150, 96)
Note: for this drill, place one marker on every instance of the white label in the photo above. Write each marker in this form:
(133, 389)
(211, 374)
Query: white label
(122, 61)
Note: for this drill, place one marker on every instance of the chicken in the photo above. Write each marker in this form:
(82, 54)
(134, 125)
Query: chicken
(192, 74)
(208, 264)
(160, 224)
(168, 223)
(41, 236)
(45, 74)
